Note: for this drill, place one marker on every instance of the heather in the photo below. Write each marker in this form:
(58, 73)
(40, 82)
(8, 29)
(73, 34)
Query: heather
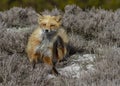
(96, 31)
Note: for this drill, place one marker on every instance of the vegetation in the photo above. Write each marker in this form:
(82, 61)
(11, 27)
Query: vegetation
(40, 5)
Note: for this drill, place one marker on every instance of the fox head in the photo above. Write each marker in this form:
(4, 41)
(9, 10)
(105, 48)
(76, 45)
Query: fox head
(49, 23)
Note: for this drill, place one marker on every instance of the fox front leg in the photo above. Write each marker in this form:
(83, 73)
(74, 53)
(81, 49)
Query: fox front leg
(59, 50)
(49, 62)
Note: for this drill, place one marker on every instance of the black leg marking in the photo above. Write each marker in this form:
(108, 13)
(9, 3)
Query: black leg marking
(55, 53)
(60, 42)
(33, 65)
(55, 71)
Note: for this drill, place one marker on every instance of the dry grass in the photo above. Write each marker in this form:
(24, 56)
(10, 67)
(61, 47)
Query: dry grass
(95, 30)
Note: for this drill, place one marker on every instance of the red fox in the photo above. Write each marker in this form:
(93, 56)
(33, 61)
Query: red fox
(48, 43)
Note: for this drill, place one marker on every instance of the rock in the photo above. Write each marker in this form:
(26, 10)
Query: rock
(77, 64)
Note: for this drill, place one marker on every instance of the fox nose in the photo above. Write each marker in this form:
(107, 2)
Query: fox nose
(47, 30)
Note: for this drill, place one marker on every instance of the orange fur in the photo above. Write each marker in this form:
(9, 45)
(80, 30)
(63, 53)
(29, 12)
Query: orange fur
(37, 49)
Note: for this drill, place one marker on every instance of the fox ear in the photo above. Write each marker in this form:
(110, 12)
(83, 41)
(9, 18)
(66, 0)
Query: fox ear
(58, 18)
(40, 17)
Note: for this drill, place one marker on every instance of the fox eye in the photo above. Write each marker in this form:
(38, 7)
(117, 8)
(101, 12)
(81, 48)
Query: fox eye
(43, 24)
(52, 25)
